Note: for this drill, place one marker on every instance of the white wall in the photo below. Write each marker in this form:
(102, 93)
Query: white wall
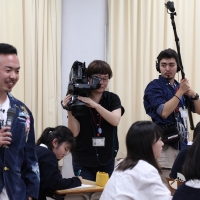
(83, 35)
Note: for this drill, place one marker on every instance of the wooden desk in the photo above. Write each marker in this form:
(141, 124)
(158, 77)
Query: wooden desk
(86, 193)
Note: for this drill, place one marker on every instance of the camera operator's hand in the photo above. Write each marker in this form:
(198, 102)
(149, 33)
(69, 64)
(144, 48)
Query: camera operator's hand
(112, 117)
(5, 136)
(73, 124)
(88, 101)
(66, 100)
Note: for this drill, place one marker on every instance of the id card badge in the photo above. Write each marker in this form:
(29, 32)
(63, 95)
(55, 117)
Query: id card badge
(184, 112)
(98, 141)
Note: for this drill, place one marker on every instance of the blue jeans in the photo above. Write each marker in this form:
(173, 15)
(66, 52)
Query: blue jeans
(89, 173)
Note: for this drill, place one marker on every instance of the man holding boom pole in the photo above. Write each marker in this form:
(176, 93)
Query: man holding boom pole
(164, 102)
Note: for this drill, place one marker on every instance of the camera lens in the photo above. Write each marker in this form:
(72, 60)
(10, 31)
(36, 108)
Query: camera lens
(79, 109)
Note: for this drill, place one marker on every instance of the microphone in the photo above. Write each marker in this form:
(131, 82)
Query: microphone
(170, 5)
(10, 116)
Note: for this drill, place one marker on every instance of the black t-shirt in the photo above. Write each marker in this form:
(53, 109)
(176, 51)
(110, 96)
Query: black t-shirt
(87, 155)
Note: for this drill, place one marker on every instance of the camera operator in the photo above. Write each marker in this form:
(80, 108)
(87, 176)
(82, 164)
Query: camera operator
(96, 133)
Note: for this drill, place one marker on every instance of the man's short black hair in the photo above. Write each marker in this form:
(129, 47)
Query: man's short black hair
(168, 53)
(7, 49)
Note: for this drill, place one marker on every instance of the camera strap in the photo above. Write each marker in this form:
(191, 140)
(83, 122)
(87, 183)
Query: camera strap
(98, 125)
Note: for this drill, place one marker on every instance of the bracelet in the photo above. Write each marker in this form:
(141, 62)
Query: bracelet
(177, 97)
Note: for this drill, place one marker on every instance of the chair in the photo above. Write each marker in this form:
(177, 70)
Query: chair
(95, 196)
(51, 196)
(76, 197)
(173, 184)
(80, 196)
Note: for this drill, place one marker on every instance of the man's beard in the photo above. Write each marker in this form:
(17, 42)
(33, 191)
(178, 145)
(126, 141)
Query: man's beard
(169, 78)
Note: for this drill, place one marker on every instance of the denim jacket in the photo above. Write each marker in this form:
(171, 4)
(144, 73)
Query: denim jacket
(20, 156)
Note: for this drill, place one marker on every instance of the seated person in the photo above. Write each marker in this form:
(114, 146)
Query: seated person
(191, 188)
(52, 146)
(138, 176)
(180, 159)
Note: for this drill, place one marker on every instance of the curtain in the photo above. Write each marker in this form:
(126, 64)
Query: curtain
(137, 31)
(34, 28)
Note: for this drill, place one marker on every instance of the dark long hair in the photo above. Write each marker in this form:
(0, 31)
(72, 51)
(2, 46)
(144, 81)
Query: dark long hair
(191, 165)
(196, 130)
(61, 133)
(139, 140)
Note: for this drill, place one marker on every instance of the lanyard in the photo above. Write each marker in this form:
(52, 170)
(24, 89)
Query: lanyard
(177, 107)
(98, 126)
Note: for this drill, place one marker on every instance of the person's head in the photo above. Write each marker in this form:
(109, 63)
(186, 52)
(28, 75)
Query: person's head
(102, 70)
(191, 165)
(143, 142)
(60, 140)
(168, 63)
(196, 130)
(9, 67)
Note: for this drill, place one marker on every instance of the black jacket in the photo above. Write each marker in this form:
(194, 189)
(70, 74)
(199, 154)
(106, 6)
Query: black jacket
(50, 176)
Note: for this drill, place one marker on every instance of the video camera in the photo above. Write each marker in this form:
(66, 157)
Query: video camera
(79, 86)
